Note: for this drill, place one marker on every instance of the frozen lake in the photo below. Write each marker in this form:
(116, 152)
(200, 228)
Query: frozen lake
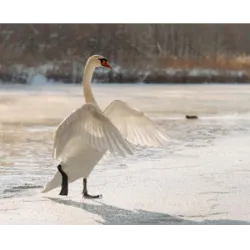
(201, 177)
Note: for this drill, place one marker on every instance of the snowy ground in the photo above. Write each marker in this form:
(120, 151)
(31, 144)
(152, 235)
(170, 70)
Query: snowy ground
(202, 177)
(39, 74)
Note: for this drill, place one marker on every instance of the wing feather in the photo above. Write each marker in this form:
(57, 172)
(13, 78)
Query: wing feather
(135, 125)
(92, 128)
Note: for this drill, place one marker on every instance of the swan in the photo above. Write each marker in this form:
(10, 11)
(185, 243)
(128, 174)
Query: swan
(83, 137)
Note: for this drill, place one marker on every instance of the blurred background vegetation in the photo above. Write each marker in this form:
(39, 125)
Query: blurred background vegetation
(151, 53)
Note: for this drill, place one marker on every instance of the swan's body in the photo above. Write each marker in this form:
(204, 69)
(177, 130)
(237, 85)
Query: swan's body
(83, 137)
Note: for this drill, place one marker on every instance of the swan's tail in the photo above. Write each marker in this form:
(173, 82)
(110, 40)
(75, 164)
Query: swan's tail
(54, 183)
(57, 179)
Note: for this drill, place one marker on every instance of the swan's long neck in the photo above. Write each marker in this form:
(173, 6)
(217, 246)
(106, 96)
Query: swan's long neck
(87, 77)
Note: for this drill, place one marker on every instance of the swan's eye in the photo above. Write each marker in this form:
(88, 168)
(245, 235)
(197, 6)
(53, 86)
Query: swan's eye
(104, 62)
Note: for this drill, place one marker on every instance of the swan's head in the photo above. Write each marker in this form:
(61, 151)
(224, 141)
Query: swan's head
(99, 61)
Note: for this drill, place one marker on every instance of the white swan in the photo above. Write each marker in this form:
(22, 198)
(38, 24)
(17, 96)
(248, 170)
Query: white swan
(83, 137)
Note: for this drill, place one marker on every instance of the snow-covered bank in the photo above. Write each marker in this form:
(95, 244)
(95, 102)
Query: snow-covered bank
(188, 187)
(51, 73)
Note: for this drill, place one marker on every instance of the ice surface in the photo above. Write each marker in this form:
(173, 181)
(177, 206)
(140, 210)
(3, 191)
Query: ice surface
(202, 177)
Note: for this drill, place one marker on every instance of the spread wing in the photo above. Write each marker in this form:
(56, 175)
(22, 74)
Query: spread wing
(135, 126)
(90, 128)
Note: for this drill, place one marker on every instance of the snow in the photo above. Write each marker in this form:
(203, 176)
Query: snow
(202, 177)
(40, 72)
(183, 188)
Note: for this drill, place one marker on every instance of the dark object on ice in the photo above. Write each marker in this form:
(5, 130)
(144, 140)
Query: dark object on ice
(191, 117)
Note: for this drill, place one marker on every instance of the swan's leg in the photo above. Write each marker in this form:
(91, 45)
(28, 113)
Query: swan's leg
(64, 190)
(85, 191)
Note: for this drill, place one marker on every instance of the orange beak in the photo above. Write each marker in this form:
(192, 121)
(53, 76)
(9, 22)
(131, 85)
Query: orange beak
(105, 64)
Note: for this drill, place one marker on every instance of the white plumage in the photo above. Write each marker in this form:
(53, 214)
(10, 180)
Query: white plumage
(135, 125)
(88, 126)
(83, 137)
